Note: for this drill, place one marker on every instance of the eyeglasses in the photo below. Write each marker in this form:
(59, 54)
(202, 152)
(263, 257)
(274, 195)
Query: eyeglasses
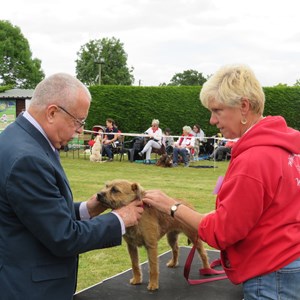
(79, 122)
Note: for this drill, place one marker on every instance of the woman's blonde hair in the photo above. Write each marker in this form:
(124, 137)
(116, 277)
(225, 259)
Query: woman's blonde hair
(155, 122)
(230, 84)
(187, 129)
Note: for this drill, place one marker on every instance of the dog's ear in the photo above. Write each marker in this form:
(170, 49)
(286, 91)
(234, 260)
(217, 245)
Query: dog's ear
(138, 190)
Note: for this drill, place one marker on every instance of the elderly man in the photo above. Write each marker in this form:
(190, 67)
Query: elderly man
(42, 230)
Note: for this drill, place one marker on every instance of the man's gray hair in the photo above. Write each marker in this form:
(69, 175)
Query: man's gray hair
(60, 89)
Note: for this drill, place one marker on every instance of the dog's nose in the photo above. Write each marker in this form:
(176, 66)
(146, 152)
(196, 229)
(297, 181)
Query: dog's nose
(100, 196)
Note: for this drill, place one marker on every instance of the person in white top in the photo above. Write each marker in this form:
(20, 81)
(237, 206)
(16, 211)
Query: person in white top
(184, 146)
(199, 138)
(155, 141)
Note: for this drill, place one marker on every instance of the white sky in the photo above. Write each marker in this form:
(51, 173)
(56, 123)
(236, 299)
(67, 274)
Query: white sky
(165, 37)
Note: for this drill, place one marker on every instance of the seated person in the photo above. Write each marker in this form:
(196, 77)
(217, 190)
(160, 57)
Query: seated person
(184, 146)
(168, 141)
(199, 138)
(109, 139)
(220, 152)
(155, 141)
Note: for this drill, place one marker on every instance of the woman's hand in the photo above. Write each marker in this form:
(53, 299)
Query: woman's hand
(159, 200)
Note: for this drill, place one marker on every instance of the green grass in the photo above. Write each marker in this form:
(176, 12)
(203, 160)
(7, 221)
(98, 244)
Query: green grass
(86, 178)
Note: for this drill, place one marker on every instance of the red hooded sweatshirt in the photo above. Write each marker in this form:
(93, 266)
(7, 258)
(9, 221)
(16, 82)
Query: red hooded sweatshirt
(256, 224)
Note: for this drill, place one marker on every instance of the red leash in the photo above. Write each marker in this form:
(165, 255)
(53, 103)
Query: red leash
(204, 271)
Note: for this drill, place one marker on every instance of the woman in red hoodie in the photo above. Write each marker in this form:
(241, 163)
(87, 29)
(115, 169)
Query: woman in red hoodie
(256, 223)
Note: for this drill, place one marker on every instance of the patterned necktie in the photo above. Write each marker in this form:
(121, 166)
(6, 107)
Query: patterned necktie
(56, 152)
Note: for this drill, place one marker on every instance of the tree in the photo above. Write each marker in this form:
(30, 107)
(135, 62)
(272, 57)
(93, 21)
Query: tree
(188, 77)
(105, 58)
(281, 85)
(17, 67)
(297, 83)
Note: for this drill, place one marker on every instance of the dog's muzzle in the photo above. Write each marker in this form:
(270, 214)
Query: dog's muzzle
(101, 198)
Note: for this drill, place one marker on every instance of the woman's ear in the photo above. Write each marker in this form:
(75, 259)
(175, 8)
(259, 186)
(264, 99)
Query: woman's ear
(245, 106)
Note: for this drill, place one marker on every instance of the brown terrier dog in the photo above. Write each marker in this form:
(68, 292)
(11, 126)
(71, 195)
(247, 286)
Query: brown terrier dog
(165, 161)
(151, 228)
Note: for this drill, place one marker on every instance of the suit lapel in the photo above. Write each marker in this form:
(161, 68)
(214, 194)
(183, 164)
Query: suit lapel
(45, 147)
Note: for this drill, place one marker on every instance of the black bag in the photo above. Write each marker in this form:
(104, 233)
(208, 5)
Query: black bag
(138, 144)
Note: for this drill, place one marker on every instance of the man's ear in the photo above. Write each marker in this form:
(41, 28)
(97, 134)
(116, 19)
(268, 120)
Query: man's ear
(51, 113)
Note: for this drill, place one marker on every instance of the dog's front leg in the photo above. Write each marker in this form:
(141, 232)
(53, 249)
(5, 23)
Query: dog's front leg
(136, 270)
(153, 268)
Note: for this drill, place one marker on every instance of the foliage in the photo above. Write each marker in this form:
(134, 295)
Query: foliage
(105, 58)
(133, 108)
(95, 266)
(297, 83)
(188, 77)
(17, 67)
(281, 85)
(5, 88)
(284, 101)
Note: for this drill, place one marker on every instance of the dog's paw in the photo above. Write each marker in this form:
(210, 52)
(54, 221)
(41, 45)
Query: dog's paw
(135, 281)
(172, 264)
(152, 286)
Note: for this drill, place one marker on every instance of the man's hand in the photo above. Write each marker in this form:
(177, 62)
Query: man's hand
(131, 213)
(94, 206)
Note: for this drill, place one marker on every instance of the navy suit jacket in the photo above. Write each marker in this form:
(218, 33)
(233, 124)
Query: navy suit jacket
(40, 236)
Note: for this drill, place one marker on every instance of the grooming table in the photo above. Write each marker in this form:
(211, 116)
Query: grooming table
(172, 284)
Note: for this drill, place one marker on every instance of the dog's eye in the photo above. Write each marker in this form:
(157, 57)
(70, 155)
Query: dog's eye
(114, 190)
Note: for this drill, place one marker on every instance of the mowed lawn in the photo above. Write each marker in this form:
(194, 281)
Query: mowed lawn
(86, 178)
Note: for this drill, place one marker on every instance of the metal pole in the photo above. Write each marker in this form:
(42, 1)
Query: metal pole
(99, 73)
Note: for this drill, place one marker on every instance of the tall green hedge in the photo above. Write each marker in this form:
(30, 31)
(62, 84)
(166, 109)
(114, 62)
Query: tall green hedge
(284, 101)
(133, 108)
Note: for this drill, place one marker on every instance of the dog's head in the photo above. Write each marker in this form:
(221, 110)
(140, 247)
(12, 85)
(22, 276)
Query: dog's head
(165, 161)
(119, 193)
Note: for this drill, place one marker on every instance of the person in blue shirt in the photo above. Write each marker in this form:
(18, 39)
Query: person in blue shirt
(110, 137)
